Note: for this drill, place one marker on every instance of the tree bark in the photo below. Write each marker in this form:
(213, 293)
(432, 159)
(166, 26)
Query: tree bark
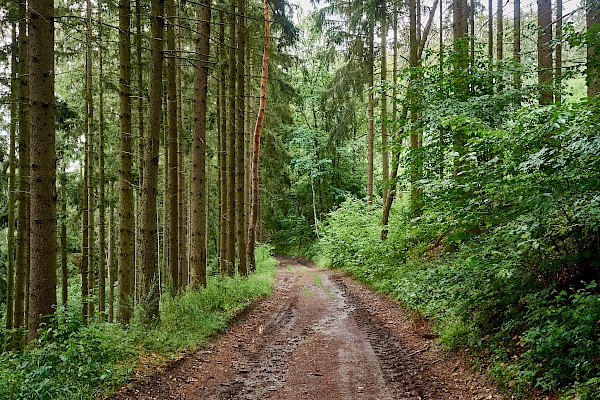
(231, 133)
(500, 31)
(558, 61)
(12, 162)
(148, 211)
(370, 113)
(22, 258)
(491, 32)
(198, 252)
(126, 260)
(63, 239)
(222, 162)
(90, 166)
(42, 293)
(414, 105)
(141, 93)
(173, 166)
(240, 137)
(459, 30)
(593, 50)
(182, 192)
(101, 180)
(110, 258)
(385, 159)
(545, 64)
(254, 211)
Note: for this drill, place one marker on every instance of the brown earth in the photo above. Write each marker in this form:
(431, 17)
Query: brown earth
(319, 336)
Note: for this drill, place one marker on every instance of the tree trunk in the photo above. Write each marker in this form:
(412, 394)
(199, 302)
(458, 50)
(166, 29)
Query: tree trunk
(370, 112)
(85, 215)
(592, 19)
(173, 166)
(254, 211)
(491, 32)
(384, 104)
(90, 166)
(101, 178)
(459, 30)
(231, 133)
(414, 104)
(222, 162)
(182, 193)
(500, 31)
(559, 38)
(110, 261)
(148, 211)
(22, 258)
(126, 249)
(140, 143)
(198, 256)
(12, 162)
(240, 137)
(545, 50)
(63, 239)
(42, 293)
(517, 43)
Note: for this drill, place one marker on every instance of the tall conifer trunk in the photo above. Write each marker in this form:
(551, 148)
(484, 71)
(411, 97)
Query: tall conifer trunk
(91, 156)
(491, 32)
(222, 134)
(12, 198)
(148, 211)
(384, 104)
(110, 258)
(22, 258)
(63, 238)
(173, 123)
(370, 113)
(231, 133)
(42, 293)
(198, 252)
(240, 137)
(101, 180)
(126, 256)
(558, 49)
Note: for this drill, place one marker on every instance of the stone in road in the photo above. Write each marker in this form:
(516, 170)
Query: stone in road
(319, 336)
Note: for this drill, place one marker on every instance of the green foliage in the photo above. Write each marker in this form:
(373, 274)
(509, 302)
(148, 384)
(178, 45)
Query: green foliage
(76, 361)
(504, 258)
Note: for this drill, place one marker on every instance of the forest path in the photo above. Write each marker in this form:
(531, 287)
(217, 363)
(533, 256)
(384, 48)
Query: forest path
(319, 336)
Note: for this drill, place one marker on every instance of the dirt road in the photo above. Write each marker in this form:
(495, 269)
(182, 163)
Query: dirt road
(319, 336)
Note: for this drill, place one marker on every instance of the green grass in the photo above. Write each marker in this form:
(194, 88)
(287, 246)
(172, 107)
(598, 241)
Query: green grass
(75, 361)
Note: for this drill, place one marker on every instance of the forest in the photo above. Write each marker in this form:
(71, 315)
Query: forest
(156, 153)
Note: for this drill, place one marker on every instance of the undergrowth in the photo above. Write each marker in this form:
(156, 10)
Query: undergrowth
(504, 258)
(76, 361)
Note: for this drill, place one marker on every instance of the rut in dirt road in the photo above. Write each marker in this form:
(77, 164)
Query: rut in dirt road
(319, 336)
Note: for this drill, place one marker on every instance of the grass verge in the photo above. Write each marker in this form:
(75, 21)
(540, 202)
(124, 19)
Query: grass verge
(76, 361)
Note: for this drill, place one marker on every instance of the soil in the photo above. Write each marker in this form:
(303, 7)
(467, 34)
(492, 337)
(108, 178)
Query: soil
(320, 335)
